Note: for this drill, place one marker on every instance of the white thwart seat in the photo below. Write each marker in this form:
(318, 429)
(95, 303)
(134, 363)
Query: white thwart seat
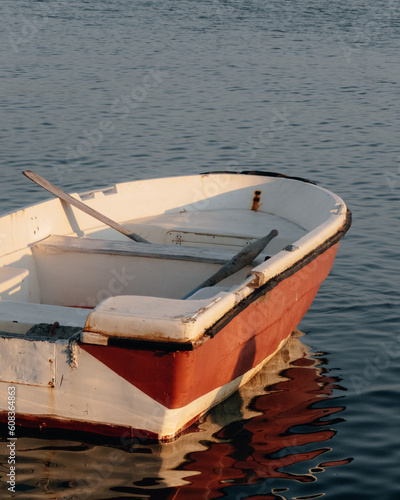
(60, 244)
(155, 319)
(84, 271)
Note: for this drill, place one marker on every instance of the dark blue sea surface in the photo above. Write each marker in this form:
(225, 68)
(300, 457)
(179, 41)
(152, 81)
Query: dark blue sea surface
(97, 92)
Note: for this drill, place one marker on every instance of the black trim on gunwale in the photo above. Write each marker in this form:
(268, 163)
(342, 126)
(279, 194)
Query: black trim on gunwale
(168, 347)
(261, 173)
(149, 345)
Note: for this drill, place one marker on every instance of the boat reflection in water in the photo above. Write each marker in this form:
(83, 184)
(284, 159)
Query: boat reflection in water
(276, 428)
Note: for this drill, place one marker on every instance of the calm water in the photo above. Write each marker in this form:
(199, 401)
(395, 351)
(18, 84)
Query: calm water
(94, 92)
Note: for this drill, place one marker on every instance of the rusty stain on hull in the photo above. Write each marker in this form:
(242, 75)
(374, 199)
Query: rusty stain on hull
(256, 201)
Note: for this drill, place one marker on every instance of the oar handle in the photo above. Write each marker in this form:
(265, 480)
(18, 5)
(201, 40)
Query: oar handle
(82, 206)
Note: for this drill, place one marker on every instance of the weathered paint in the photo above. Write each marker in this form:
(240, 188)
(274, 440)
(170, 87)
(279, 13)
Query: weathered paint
(35, 367)
(256, 202)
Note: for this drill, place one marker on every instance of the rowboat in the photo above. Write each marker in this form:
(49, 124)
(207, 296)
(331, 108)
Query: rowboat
(104, 334)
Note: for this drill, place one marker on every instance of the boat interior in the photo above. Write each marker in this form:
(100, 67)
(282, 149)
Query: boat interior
(83, 263)
(186, 249)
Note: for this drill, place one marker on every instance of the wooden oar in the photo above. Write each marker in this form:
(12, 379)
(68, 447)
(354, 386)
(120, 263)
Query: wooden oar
(242, 259)
(78, 204)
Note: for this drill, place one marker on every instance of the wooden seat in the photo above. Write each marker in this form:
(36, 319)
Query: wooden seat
(84, 271)
(61, 244)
